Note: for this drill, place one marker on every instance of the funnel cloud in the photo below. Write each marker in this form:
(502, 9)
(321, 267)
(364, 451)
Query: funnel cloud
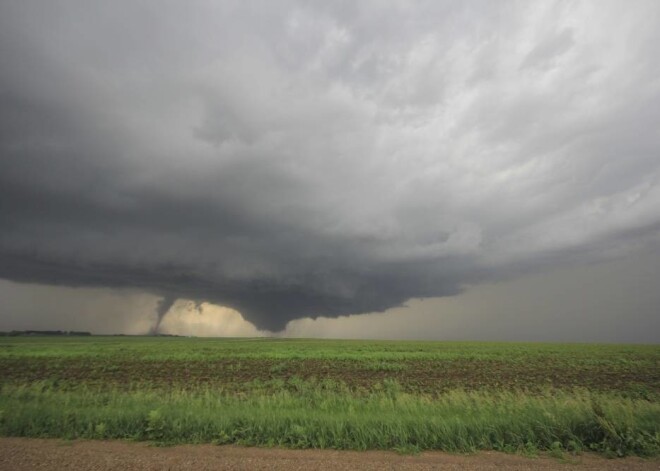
(306, 159)
(162, 307)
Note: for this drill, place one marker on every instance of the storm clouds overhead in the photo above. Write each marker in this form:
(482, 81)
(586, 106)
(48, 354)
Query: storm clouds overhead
(293, 159)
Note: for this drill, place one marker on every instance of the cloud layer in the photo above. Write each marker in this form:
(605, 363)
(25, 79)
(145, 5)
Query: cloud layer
(305, 158)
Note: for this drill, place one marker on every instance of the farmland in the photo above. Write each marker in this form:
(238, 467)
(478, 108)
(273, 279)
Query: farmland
(406, 396)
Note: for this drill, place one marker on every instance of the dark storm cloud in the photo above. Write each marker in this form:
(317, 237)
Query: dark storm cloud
(322, 158)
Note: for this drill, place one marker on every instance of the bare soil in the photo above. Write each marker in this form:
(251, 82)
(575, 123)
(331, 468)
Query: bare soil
(19, 454)
(425, 376)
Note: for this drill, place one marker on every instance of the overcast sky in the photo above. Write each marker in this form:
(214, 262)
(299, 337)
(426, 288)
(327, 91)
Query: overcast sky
(494, 166)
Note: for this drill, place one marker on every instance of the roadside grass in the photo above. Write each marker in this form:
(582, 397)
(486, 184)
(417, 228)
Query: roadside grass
(316, 415)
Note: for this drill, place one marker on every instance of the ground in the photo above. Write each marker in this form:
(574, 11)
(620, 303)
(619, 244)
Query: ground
(18, 454)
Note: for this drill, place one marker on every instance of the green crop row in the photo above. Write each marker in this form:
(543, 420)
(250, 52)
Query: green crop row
(181, 348)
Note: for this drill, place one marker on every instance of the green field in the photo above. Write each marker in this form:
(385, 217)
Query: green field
(406, 396)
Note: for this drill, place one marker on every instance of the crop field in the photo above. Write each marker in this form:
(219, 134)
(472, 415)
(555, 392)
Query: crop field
(406, 396)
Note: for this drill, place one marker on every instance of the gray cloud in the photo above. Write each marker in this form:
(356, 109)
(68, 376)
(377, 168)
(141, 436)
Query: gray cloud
(306, 159)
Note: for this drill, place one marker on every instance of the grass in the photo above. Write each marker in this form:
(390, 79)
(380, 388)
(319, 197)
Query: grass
(405, 396)
(330, 416)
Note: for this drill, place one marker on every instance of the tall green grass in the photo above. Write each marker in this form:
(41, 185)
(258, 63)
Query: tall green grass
(327, 414)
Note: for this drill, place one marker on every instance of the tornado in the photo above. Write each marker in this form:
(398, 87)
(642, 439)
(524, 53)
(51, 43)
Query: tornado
(162, 308)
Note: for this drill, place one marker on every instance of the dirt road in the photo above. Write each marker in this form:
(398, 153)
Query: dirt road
(19, 454)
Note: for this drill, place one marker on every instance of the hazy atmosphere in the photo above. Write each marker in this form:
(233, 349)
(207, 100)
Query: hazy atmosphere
(470, 170)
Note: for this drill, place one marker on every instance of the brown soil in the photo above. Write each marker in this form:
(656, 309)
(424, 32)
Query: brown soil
(426, 376)
(19, 454)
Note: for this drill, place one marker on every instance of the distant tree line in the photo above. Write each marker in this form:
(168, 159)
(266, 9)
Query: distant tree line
(19, 333)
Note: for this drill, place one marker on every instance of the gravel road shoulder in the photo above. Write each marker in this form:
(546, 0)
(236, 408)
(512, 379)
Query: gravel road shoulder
(18, 454)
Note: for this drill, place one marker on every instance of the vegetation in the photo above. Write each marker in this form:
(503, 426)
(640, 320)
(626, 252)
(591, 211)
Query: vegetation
(16, 333)
(407, 396)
